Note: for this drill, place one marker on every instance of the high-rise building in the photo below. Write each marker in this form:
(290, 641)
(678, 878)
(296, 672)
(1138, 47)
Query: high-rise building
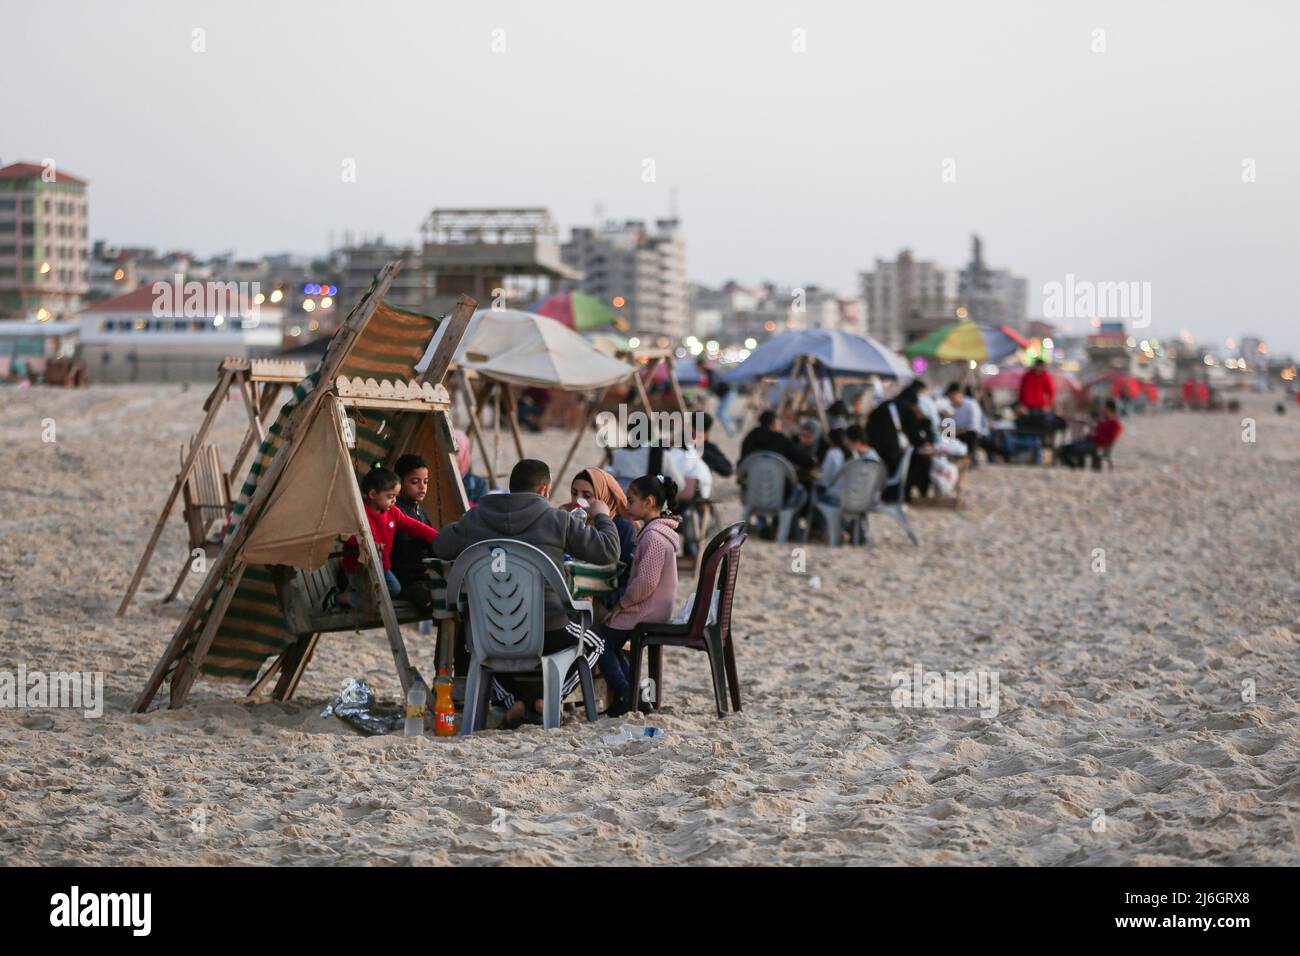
(907, 299)
(638, 271)
(996, 296)
(44, 251)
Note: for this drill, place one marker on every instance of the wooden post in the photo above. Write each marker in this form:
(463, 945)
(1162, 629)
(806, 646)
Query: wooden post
(676, 385)
(587, 418)
(196, 444)
(452, 333)
(494, 390)
(810, 369)
(476, 428)
(183, 682)
(511, 412)
(789, 381)
(248, 391)
(293, 663)
(375, 569)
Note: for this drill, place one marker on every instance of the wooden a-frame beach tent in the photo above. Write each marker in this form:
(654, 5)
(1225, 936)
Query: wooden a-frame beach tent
(364, 404)
(202, 484)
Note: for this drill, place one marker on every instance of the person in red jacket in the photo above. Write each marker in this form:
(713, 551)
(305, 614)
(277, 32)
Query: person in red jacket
(380, 488)
(1104, 434)
(1037, 390)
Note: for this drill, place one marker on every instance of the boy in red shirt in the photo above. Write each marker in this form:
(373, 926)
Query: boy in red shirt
(1104, 434)
(380, 487)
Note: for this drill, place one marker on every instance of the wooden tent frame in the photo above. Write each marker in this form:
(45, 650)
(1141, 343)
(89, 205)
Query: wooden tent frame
(800, 384)
(331, 396)
(259, 382)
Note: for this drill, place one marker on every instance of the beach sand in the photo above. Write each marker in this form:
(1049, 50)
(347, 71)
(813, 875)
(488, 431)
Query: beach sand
(1121, 737)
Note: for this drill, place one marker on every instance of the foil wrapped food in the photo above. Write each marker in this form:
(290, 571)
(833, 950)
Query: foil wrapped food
(356, 706)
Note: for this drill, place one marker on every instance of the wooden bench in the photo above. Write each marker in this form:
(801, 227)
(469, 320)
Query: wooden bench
(302, 598)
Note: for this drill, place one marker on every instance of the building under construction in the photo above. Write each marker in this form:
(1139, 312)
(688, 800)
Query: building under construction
(493, 255)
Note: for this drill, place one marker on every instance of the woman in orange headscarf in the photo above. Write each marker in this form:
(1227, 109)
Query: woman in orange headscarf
(597, 484)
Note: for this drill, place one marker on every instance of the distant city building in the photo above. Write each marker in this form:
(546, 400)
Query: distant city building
(123, 340)
(908, 298)
(358, 262)
(735, 313)
(112, 272)
(44, 253)
(995, 296)
(506, 257)
(638, 271)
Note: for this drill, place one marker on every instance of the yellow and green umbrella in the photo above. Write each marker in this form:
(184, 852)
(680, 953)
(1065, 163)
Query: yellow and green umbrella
(967, 342)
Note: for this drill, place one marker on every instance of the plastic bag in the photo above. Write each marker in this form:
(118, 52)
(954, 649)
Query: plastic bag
(684, 615)
(944, 474)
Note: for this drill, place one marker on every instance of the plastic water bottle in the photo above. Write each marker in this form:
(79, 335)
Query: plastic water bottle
(416, 699)
(581, 509)
(629, 732)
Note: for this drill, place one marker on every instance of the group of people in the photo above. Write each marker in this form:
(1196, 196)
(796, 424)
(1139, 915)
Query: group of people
(818, 461)
(601, 524)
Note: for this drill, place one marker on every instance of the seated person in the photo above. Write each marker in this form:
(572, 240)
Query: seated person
(767, 436)
(632, 462)
(892, 428)
(476, 486)
(718, 463)
(853, 447)
(838, 414)
(967, 418)
(380, 488)
(532, 407)
(527, 515)
(1104, 434)
(409, 552)
(651, 589)
(592, 484)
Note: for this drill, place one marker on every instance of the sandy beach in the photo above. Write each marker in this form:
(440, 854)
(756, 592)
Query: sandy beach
(1122, 734)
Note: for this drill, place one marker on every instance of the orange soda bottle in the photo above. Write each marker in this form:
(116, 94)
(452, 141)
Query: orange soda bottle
(444, 711)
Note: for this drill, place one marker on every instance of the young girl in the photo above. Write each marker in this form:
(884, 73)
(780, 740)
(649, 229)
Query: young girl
(652, 584)
(593, 484)
(380, 488)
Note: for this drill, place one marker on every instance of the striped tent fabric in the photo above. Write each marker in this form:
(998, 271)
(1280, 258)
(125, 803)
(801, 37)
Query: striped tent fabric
(253, 630)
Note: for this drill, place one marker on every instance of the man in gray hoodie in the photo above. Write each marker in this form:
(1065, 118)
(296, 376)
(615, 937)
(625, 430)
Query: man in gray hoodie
(527, 515)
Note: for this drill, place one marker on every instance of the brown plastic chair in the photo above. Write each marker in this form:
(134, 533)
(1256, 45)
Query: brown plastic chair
(720, 563)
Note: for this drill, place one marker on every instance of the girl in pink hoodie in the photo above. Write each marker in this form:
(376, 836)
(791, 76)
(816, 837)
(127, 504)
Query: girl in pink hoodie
(651, 585)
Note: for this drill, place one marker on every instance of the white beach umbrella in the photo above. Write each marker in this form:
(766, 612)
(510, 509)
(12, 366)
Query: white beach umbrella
(524, 348)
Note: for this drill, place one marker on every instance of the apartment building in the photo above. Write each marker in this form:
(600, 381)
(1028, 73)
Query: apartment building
(44, 252)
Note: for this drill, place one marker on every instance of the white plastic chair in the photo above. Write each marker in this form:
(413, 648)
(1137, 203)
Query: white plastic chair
(861, 483)
(896, 509)
(765, 476)
(505, 583)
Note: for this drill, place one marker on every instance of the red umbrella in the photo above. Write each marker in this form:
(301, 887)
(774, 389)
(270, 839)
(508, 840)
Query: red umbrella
(1010, 377)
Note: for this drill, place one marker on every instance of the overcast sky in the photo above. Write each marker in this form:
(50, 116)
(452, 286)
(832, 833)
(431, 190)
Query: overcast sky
(799, 167)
